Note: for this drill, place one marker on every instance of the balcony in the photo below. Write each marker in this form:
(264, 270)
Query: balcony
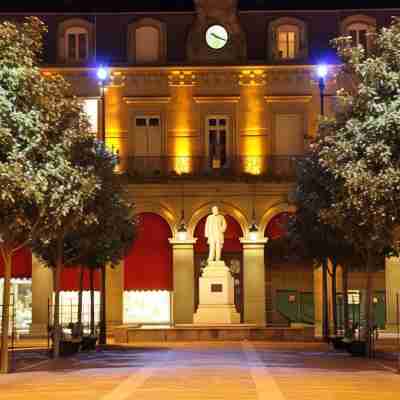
(271, 168)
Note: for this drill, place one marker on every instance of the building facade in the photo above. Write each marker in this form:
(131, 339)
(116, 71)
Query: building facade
(207, 106)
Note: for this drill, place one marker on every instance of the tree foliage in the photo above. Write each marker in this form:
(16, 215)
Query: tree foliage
(41, 126)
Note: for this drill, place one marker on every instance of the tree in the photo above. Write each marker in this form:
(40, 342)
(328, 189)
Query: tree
(361, 151)
(107, 241)
(35, 134)
(319, 241)
(78, 190)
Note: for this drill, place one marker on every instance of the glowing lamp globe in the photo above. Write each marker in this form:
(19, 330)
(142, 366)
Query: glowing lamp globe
(102, 73)
(322, 71)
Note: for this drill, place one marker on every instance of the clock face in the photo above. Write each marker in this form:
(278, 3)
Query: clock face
(217, 37)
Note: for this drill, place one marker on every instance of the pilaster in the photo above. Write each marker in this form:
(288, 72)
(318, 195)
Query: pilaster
(42, 291)
(392, 277)
(254, 281)
(183, 280)
(114, 295)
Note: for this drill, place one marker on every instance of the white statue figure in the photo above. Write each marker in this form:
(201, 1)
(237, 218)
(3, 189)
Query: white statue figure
(214, 232)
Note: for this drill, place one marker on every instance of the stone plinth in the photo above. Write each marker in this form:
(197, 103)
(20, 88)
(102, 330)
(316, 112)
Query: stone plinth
(216, 296)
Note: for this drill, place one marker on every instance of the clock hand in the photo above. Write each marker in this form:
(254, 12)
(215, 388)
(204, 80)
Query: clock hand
(218, 37)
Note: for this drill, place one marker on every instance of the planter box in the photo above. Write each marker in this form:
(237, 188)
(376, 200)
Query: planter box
(69, 347)
(88, 343)
(357, 348)
(338, 343)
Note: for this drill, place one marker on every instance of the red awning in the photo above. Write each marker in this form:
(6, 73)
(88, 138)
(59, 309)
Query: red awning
(70, 279)
(148, 265)
(21, 264)
(278, 226)
(231, 238)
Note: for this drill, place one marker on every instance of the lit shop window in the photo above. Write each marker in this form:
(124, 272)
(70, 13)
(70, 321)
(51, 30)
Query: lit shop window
(69, 307)
(21, 304)
(151, 307)
(90, 106)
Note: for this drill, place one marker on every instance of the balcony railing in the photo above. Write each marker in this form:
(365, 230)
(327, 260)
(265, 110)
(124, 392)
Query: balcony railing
(271, 167)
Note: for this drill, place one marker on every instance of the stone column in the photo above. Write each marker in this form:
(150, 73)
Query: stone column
(183, 281)
(318, 301)
(254, 281)
(42, 293)
(392, 277)
(114, 295)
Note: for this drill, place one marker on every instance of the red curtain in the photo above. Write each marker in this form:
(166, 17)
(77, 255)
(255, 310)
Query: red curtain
(278, 226)
(70, 279)
(231, 238)
(21, 264)
(148, 265)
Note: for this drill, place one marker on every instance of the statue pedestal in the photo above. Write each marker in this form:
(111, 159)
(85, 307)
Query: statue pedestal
(216, 296)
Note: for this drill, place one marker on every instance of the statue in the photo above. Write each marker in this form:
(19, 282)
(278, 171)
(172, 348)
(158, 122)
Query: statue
(214, 232)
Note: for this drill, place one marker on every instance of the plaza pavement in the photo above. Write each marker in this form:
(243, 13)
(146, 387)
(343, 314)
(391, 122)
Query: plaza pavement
(206, 371)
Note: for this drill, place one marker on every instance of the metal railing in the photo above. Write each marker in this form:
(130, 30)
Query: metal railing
(269, 167)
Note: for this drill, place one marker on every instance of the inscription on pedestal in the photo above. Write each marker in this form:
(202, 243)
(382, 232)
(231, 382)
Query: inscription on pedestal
(216, 288)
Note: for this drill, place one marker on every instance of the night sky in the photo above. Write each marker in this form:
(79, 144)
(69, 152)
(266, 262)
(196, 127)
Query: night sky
(176, 5)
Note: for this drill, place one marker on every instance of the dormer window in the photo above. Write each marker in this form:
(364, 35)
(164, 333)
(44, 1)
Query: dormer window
(77, 44)
(358, 27)
(287, 41)
(147, 42)
(76, 41)
(358, 33)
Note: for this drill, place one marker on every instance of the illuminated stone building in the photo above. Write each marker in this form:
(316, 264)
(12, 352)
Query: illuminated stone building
(209, 103)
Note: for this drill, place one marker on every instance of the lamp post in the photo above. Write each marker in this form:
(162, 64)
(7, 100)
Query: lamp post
(102, 75)
(322, 72)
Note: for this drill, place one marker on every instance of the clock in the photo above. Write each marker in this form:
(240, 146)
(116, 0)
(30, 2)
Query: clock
(216, 37)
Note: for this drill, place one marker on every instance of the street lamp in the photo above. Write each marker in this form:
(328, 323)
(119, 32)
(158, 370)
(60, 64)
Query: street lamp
(102, 75)
(182, 230)
(322, 72)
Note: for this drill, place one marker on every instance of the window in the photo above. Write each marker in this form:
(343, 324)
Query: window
(288, 38)
(289, 135)
(152, 307)
(358, 33)
(77, 44)
(76, 41)
(147, 45)
(217, 138)
(90, 106)
(147, 41)
(148, 140)
(359, 27)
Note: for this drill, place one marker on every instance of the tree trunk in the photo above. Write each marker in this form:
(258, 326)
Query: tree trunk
(5, 320)
(92, 330)
(57, 329)
(368, 305)
(80, 295)
(325, 309)
(334, 302)
(103, 323)
(346, 301)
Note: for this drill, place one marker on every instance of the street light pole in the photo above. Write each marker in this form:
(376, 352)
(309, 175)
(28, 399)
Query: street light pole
(322, 94)
(102, 75)
(322, 72)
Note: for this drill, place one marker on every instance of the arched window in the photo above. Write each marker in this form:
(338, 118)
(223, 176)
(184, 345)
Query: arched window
(77, 44)
(147, 41)
(288, 41)
(358, 32)
(76, 41)
(359, 27)
(147, 45)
